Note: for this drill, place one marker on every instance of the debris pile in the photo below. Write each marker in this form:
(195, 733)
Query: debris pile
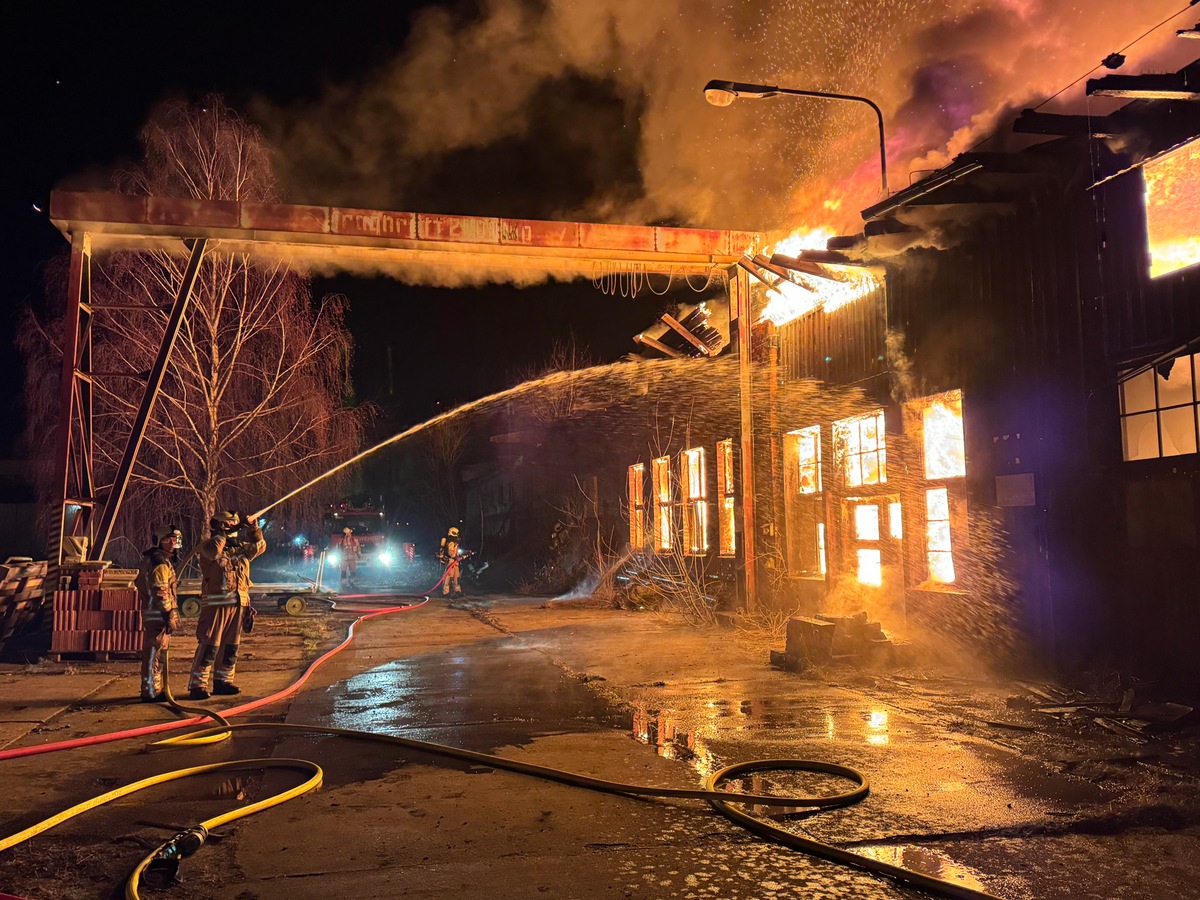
(1123, 714)
(21, 594)
(824, 640)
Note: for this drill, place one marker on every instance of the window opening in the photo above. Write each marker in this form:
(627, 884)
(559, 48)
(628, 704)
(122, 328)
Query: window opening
(1159, 410)
(695, 511)
(942, 430)
(861, 445)
(727, 542)
(661, 473)
(808, 456)
(637, 506)
(937, 530)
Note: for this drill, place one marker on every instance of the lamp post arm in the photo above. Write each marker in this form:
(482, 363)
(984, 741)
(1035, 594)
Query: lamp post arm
(871, 103)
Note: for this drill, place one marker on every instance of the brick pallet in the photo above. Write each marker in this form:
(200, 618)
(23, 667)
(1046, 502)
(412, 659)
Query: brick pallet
(95, 622)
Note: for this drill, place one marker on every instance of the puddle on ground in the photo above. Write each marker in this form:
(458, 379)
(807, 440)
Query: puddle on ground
(924, 860)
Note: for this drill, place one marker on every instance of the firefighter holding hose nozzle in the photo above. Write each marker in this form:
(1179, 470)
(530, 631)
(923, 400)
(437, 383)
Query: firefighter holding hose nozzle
(225, 609)
(157, 582)
(450, 554)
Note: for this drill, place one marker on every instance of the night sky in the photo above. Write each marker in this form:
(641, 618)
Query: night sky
(552, 109)
(87, 87)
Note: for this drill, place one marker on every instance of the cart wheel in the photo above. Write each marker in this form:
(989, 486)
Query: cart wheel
(190, 607)
(293, 606)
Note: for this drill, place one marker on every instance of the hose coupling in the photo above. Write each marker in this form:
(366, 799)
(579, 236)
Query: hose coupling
(163, 870)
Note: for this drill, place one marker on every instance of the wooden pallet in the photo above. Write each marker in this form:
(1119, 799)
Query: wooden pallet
(100, 656)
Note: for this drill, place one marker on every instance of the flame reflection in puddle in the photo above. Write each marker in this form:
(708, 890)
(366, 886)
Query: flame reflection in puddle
(926, 861)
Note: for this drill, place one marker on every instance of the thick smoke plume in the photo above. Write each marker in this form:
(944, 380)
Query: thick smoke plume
(594, 110)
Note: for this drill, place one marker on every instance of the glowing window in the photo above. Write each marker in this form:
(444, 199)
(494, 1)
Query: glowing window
(866, 522)
(870, 567)
(1159, 410)
(695, 510)
(1173, 209)
(727, 542)
(860, 443)
(895, 521)
(637, 506)
(821, 548)
(937, 540)
(942, 427)
(660, 470)
(808, 456)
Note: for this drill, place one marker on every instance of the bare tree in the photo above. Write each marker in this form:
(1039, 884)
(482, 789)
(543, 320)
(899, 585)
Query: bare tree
(254, 400)
(565, 397)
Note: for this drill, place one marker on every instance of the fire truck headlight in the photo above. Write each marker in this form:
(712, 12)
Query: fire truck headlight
(333, 558)
(385, 558)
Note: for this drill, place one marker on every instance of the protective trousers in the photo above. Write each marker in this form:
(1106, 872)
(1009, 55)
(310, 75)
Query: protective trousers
(450, 582)
(218, 635)
(155, 641)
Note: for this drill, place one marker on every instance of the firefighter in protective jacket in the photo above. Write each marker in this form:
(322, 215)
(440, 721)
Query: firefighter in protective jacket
(224, 602)
(448, 554)
(157, 583)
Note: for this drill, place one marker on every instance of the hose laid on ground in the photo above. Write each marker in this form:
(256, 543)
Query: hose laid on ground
(163, 862)
(91, 740)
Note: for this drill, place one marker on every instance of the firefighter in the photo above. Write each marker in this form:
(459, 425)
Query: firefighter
(225, 609)
(351, 551)
(157, 582)
(448, 554)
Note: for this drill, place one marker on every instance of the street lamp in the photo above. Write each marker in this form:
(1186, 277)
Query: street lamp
(722, 93)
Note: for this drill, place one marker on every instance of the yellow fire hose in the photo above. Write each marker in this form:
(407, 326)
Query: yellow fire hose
(158, 869)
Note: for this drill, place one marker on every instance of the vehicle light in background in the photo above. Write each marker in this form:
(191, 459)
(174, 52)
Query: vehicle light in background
(333, 558)
(298, 540)
(385, 557)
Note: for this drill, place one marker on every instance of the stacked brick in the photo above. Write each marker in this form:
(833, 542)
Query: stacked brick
(92, 619)
(21, 594)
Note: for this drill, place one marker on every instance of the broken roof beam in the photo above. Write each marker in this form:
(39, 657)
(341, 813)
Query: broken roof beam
(657, 345)
(764, 274)
(1172, 86)
(807, 267)
(1033, 122)
(686, 334)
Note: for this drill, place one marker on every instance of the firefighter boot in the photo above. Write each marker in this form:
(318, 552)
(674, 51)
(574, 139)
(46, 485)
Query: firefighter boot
(225, 687)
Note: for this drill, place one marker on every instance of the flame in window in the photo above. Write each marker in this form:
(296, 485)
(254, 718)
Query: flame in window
(1173, 209)
(937, 530)
(870, 567)
(945, 447)
(791, 301)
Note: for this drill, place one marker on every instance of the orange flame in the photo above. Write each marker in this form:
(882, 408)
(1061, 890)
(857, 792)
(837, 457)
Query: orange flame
(1173, 209)
(945, 448)
(790, 301)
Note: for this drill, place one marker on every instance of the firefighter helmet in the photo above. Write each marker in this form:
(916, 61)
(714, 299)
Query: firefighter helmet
(453, 532)
(160, 533)
(224, 521)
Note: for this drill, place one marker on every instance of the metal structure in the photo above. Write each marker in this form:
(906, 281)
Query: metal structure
(425, 246)
(722, 93)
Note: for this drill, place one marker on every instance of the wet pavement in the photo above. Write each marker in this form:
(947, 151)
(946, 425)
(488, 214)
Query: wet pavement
(962, 787)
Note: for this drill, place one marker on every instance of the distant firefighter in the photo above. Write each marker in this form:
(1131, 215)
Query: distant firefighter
(224, 602)
(351, 552)
(448, 555)
(157, 585)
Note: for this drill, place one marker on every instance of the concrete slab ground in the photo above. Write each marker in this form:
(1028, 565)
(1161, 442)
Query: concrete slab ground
(964, 785)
